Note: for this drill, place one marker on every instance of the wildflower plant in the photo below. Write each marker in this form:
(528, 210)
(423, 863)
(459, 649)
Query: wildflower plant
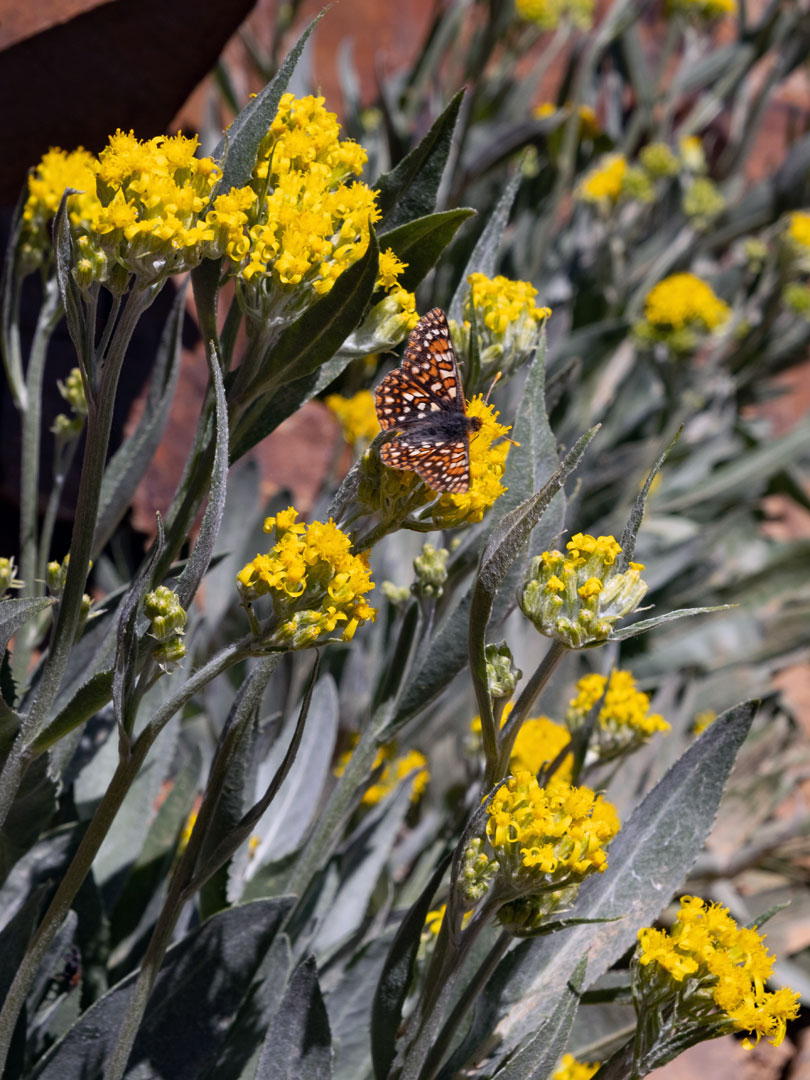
(246, 751)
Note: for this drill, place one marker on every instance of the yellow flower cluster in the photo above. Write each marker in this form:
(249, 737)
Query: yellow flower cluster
(705, 10)
(507, 319)
(683, 301)
(571, 1069)
(313, 580)
(625, 711)
(706, 952)
(588, 122)
(311, 223)
(501, 302)
(394, 769)
(144, 208)
(487, 464)
(578, 597)
(548, 14)
(537, 744)
(604, 182)
(557, 833)
(799, 229)
(357, 415)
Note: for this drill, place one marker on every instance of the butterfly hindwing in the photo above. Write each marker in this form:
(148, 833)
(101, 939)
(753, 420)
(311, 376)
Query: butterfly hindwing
(444, 466)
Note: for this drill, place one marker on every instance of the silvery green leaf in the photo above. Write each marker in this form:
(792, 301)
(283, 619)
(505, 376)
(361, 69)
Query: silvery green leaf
(670, 616)
(484, 258)
(538, 1057)
(420, 242)
(238, 147)
(348, 1004)
(298, 1042)
(196, 996)
(15, 612)
(409, 190)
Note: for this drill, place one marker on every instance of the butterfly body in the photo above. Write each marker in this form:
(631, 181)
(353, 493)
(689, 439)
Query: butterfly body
(424, 402)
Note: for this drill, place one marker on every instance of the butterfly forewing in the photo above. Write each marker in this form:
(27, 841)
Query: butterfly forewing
(423, 398)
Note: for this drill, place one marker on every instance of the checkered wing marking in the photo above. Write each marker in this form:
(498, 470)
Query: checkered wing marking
(444, 465)
(427, 380)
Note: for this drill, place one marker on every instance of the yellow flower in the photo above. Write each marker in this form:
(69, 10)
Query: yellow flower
(546, 840)
(394, 769)
(311, 224)
(577, 597)
(704, 10)
(507, 319)
(57, 171)
(679, 310)
(624, 718)
(799, 229)
(487, 464)
(548, 14)
(537, 744)
(717, 969)
(571, 1069)
(357, 416)
(603, 184)
(313, 580)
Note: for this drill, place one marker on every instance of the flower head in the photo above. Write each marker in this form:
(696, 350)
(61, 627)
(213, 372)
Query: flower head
(603, 184)
(548, 14)
(313, 579)
(679, 311)
(507, 319)
(357, 416)
(577, 597)
(717, 970)
(393, 769)
(8, 580)
(546, 841)
(702, 10)
(57, 171)
(571, 1069)
(488, 452)
(658, 159)
(537, 744)
(624, 719)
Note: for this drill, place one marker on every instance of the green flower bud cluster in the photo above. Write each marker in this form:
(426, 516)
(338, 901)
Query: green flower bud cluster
(703, 202)
(755, 253)
(577, 598)
(431, 571)
(659, 160)
(168, 621)
(7, 578)
(395, 594)
(502, 676)
(56, 576)
(796, 297)
(477, 872)
(72, 390)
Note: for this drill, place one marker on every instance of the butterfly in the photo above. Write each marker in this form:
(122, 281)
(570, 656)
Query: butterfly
(423, 399)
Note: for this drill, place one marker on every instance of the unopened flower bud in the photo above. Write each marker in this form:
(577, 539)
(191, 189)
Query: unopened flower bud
(502, 675)
(165, 613)
(431, 570)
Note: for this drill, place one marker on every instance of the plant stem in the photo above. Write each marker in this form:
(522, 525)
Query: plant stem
(29, 468)
(180, 889)
(96, 832)
(527, 698)
(99, 422)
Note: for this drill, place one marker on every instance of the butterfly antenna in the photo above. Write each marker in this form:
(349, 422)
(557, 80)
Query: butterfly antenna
(498, 375)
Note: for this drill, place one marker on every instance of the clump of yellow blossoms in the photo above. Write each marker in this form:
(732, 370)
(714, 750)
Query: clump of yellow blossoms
(571, 1069)
(507, 319)
(144, 208)
(799, 229)
(548, 14)
(394, 768)
(536, 745)
(716, 971)
(702, 10)
(624, 718)
(679, 310)
(577, 597)
(488, 451)
(545, 842)
(357, 416)
(314, 581)
(612, 179)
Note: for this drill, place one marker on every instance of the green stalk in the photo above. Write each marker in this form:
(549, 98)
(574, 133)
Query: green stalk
(64, 454)
(49, 315)
(99, 421)
(125, 774)
(523, 704)
(181, 887)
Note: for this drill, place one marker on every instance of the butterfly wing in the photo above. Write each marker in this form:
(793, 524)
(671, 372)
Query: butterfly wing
(444, 464)
(430, 363)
